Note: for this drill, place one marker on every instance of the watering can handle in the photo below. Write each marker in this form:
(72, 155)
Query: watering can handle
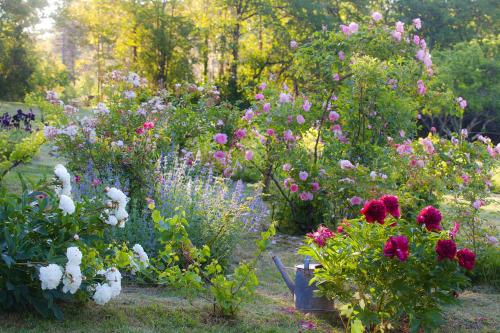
(306, 262)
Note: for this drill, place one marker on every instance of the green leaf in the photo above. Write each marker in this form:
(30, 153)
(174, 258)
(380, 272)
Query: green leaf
(357, 326)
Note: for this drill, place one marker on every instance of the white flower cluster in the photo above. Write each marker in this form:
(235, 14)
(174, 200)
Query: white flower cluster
(66, 204)
(106, 291)
(117, 214)
(72, 276)
(141, 256)
(51, 275)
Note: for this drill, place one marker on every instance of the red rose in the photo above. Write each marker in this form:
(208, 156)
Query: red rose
(466, 259)
(431, 217)
(374, 210)
(397, 246)
(446, 248)
(392, 205)
(321, 235)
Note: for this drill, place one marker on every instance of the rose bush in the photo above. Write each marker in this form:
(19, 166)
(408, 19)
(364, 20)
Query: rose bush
(386, 271)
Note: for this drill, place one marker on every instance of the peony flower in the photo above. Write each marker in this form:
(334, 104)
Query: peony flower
(400, 27)
(306, 196)
(353, 27)
(285, 98)
(462, 103)
(315, 187)
(333, 116)
(220, 138)
(102, 294)
(397, 246)
(376, 16)
(303, 175)
(465, 178)
(321, 235)
(139, 131)
(431, 217)
(492, 240)
(416, 41)
(345, 164)
(466, 259)
(219, 155)
(341, 56)
(288, 135)
(392, 205)
(421, 87)
(74, 256)
(148, 125)
(428, 146)
(294, 188)
(397, 36)
(374, 210)
(293, 44)
(345, 30)
(306, 106)
(72, 278)
(240, 133)
(249, 155)
(336, 77)
(446, 248)
(266, 107)
(417, 23)
(259, 97)
(66, 204)
(300, 119)
(248, 115)
(287, 167)
(50, 276)
(270, 132)
(478, 204)
(64, 177)
(263, 86)
(355, 201)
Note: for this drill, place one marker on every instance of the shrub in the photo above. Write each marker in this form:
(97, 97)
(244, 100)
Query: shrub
(52, 248)
(384, 270)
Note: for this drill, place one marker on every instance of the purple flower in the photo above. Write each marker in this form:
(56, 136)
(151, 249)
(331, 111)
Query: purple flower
(220, 138)
(355, 201)
(417, 23)
(249, 155)
(306, 106)
(376, 16)
(345, 164)
(341, 55)
(300, 119)
(259, 96)
(303, 175)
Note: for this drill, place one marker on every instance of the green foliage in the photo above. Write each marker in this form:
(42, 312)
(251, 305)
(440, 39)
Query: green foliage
(191, 269)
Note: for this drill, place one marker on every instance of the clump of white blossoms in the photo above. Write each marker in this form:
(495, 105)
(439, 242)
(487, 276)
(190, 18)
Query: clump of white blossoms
(117, 214)
(142, 256)
(72, 276)
(50, 276)
(106, 291)
(64, 178)
(66, 204)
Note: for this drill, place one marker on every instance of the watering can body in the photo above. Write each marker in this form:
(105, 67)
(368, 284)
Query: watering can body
(302, 289)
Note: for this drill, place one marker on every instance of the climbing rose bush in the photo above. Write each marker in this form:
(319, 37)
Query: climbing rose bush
(385, 271)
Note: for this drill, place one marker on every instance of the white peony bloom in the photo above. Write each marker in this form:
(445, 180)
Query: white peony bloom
(116, 288)
(64, 177)
(117, 196)
(112, 220)
(114, 278)
(74, 256)
(102, 294)
(66, 204)
(141, 254)
(121, 214)
(50, 276)
(72, 279)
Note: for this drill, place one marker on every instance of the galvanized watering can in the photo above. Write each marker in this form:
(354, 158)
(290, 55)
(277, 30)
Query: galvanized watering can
(302, 291)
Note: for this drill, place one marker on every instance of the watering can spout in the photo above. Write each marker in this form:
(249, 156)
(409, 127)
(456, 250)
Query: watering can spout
(284, 274)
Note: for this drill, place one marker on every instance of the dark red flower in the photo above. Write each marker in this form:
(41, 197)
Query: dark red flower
(321, 235)
(391, 203)
(446, 248)
(466, 259)
(397, 246)
(431, 217)
(374, 210)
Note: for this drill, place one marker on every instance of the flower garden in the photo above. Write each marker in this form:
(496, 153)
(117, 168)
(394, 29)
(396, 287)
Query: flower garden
(165, 204)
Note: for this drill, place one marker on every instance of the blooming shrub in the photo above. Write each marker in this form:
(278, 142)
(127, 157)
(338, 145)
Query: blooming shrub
(386, 271)
(52, 249)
